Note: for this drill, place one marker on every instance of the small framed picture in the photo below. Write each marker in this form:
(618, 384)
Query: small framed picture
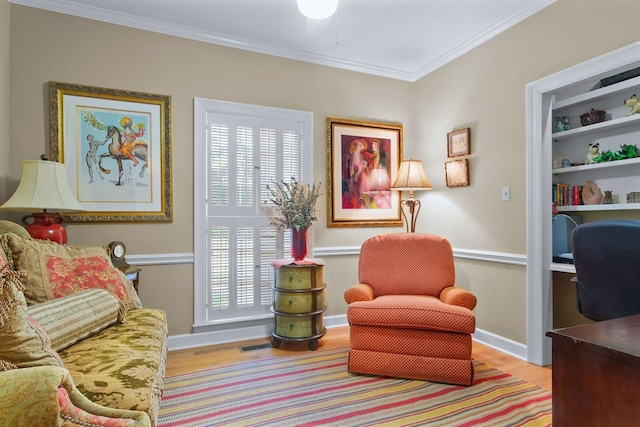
(561, 123)
(457, 173)
(458, 143)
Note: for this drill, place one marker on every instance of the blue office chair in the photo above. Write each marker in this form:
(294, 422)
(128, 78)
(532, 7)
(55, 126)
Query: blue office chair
(606, 255)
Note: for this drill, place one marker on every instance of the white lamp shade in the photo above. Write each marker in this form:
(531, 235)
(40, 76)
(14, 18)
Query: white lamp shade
(411, 176)
(317, 9)
(43, 185)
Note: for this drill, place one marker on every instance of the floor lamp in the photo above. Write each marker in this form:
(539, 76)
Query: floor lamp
(44, 185)
(411, 177)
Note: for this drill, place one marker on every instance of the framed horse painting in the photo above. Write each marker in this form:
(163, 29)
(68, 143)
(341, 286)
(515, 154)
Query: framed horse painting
(116, 146)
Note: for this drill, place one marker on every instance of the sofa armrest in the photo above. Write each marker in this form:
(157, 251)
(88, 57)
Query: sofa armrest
(359, 292)
(77, 409)
(28, 396)
(458, 296)
(47, 396)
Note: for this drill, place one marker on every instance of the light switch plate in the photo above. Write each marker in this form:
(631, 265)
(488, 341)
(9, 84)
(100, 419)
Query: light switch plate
(506, 194)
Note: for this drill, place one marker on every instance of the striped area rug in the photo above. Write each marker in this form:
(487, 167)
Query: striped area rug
(315, 389)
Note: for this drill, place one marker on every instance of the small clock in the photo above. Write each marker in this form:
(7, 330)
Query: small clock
(118, 251)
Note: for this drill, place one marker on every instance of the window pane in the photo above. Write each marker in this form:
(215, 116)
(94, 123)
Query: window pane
(218, 165)
(220, 279)
(268, 161)
(244, 268)
(291, 155)
(268, 253)
(244, 166)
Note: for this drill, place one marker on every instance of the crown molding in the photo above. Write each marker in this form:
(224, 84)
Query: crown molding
(119, 18)
(533, 8)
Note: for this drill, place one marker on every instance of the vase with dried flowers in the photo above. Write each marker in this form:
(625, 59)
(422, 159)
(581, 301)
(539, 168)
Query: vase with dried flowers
(296, 203)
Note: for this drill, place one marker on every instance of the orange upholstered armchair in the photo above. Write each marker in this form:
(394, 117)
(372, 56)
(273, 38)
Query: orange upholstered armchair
(406, 318)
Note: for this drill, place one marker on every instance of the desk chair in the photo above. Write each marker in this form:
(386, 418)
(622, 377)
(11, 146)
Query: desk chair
(606, 255)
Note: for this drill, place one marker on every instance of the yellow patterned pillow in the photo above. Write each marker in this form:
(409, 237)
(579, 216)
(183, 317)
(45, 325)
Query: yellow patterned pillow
(69, 319)
(55, 270)
(22, 341)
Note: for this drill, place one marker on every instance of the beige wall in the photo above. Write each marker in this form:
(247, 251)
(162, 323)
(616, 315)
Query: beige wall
(54, 47)
(4, 98)
(483, 89)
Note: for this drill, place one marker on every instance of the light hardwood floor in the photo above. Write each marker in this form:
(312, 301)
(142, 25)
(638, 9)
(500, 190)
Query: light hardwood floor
(194, 359)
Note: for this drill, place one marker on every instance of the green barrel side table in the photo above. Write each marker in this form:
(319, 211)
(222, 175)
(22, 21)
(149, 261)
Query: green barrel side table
(298, 303)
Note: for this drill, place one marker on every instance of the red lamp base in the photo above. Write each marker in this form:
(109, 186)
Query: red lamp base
(46, 226)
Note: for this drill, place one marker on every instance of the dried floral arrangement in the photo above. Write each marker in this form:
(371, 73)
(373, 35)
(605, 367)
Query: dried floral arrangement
(296, 202)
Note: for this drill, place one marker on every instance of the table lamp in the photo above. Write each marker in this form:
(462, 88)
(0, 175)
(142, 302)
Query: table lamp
(44, 185)
(411, 177)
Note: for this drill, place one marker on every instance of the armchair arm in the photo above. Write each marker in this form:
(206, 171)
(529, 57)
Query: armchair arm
(359, 292)
(47, 396)
(458, 296)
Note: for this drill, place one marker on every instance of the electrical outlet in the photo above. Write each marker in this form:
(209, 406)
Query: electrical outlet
(506, 194)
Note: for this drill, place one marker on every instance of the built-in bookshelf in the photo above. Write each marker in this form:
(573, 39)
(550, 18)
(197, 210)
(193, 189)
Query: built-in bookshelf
(557, 145)
(620, 177)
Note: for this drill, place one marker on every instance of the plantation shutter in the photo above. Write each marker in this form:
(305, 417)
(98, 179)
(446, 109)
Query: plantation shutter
(245, 154)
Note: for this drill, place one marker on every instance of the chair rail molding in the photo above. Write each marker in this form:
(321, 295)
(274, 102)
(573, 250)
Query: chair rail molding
(328, 251)
(160, 259)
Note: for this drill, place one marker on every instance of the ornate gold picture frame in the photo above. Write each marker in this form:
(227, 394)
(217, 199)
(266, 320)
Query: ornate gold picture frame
(362, 163)
(116, 145)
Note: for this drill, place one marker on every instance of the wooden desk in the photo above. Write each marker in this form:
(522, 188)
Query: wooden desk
(596, 374)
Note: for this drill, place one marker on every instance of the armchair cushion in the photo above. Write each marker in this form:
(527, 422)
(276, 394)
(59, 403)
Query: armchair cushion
(412, 312)
(407, 264)
(411, 342)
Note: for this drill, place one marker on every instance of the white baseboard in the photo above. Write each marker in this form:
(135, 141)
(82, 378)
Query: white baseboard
(505, 345)
(201, 339)
(184, 341)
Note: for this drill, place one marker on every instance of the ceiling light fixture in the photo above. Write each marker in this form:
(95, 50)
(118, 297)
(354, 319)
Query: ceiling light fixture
(317, 9)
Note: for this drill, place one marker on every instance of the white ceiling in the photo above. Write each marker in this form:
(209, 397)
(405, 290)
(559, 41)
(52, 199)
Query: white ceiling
(401, 39)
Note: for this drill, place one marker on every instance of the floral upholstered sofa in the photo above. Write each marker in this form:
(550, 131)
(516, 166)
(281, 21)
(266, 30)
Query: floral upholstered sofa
(76, 346)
